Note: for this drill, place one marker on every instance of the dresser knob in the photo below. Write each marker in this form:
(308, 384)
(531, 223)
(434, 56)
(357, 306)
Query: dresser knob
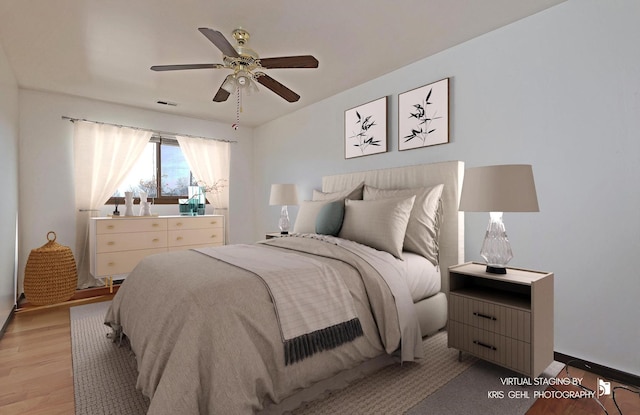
(111, 264)
(179, 224)
(179, 238)
(110, 226)
(111, 243)
(155, 225)
(156, 240)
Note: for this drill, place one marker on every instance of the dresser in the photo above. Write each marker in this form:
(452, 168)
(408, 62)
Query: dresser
(116, 245)
(505, 319)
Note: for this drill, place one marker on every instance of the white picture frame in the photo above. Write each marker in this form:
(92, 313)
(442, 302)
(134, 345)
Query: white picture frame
(423, 116)
(365, 129)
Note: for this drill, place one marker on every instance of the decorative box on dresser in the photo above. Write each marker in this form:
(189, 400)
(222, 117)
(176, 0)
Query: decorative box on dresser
(117, 244)
(505, 319)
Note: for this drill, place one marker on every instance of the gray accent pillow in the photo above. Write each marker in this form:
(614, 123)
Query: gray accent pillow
(423, 229)
(353, 194)
(380, 224)
(307, 215)
(329, 219)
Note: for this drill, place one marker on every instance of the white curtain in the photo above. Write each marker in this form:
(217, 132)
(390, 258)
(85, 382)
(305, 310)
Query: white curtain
(209, 163)
(103, 155)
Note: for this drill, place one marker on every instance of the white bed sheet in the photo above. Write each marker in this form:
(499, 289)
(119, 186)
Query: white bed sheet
(423, 278)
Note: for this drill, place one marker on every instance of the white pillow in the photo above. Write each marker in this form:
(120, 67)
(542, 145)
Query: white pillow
(380, 224)
(423, 230)
(353, 194)
(307, 214)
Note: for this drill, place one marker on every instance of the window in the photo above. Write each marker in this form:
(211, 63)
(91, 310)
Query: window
(162, 171)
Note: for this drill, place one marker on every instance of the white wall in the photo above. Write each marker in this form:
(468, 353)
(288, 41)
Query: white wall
(559, 90)
(46, 164)
(9, 186)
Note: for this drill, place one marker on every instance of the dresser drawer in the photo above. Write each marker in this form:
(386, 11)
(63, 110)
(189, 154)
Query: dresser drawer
(196, 237)
(113, 242)
(194, 223)
(114, 263)
(185, 247)
(496, 318)
(487, 345)
(131, 225)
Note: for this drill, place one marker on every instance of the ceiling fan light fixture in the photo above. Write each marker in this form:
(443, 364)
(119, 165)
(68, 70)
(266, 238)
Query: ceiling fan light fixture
(229, 84)
(243, 79)
(252, 88)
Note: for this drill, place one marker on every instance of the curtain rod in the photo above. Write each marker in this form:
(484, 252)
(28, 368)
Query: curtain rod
(160, 133)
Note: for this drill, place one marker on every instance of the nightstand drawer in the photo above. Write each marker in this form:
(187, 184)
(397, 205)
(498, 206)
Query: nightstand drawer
(505, 351)
(113, 242)
(503, 320)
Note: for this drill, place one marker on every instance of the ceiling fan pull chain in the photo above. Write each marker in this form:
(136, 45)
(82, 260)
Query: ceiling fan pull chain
(238, 110)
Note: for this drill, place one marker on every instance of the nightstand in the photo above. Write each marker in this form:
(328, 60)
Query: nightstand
(505, 319)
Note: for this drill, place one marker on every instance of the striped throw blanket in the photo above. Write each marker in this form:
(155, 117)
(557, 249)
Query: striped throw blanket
(313, 306)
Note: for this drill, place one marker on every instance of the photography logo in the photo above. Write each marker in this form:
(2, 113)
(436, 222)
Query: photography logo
(604, 388)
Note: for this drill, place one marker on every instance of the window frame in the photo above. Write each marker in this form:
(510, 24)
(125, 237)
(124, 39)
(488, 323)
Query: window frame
(160, 200)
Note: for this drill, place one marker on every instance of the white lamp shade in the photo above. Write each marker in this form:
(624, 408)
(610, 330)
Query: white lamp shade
(503, 188)
(283, 195)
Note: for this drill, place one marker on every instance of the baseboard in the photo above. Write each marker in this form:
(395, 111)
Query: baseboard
(7, 321)
(604, 371)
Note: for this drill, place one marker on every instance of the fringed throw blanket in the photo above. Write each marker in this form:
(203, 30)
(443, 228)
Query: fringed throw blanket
(314, 308)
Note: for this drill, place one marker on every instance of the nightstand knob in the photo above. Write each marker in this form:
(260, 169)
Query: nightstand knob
(484, 316)
(484, 345)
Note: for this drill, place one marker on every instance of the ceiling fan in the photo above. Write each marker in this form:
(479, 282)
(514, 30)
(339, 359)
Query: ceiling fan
(246, 65)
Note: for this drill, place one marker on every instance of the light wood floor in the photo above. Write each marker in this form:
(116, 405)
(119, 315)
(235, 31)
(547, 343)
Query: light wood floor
(36, 375)
(36, 371)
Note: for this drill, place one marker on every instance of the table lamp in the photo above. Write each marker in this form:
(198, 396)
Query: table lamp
(283, 194)
(498, 189)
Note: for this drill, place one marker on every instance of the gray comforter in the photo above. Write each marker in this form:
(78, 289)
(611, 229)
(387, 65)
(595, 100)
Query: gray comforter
(206, 338)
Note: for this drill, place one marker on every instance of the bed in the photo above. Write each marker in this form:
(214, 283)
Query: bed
(211, 328)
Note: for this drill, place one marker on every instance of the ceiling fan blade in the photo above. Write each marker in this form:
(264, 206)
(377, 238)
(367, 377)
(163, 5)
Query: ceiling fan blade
(187, 66)
(221, 95)
(277, 87)
(220, 41)
(305, 61)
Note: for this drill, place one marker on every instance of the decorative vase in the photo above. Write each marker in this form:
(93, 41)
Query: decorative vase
(196, 200)
(143, 200)
(128, 203)
(145, 208)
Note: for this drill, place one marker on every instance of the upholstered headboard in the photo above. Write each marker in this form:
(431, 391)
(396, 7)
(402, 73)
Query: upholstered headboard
(449, 173)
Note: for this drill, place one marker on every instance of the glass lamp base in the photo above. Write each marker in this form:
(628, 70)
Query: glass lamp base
(496, 249)
(284, 223)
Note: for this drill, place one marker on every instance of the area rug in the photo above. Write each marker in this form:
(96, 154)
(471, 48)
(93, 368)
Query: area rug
(105, 378)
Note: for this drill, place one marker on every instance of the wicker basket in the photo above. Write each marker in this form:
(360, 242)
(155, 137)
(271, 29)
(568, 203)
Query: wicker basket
(50, 275)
